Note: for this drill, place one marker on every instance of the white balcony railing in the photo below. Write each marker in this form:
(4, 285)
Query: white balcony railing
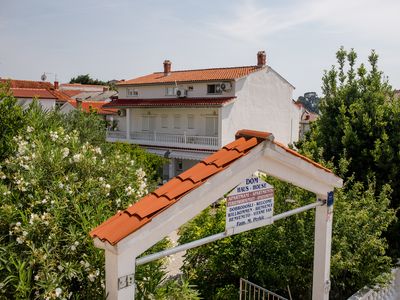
(165, 139)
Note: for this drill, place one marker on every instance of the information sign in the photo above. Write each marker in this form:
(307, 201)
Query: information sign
(250, 203)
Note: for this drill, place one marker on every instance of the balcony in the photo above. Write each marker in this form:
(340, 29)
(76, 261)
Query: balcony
(165, 139)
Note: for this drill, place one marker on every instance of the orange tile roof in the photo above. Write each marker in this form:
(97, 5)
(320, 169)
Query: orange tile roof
(35, 89)
(162, 102)
(72, 93)
(193, 75)
(89, 106)
(32, 93)
(28, 84)
(131, 219)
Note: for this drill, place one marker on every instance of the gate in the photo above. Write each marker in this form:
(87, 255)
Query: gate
(251, 291)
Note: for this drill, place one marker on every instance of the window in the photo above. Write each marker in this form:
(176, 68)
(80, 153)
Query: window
(132, 92)
(179, 164)
(177, 121)
(190, 120)
(211, 126)
(214, 89)
(170, 91)
(148, 123)
(164, 121)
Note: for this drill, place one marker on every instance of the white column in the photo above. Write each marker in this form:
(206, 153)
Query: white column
(322, 251)
(171, 168)
(128, 123)
(117, 267)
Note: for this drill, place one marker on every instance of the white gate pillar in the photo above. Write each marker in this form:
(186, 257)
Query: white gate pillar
(322, 249)
(120, 282)
(128, 124)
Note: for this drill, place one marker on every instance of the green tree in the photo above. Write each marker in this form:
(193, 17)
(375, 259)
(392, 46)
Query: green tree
(11, 119)
(358, 131)
(281, 254)
(310, 101)
(357, 137)
(58, 180)
(86, 79)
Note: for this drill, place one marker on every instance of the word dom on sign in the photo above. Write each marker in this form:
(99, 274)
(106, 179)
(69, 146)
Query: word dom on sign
(251, 202)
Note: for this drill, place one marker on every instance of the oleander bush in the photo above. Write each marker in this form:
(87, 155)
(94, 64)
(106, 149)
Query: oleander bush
(58, 180)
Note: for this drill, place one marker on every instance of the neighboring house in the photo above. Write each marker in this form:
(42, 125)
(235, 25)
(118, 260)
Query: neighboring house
(306, 118)
(109, 114)
(88, 92)
(47, 94)
(187, 115)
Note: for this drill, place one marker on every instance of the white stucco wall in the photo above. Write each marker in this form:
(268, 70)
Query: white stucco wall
(46, 104)
(199, 115)
(264, 102)
(159, 91)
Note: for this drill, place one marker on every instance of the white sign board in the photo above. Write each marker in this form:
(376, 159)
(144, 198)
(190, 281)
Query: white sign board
(250, 205)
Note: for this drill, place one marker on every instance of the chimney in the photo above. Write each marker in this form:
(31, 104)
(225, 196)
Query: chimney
(167, 67)
(261, 59)
(78, 103)
(56, 85)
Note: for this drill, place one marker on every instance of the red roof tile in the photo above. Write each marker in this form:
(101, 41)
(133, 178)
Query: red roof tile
(193, 75)
(32, 93)
(28, 84)
(124, 223)
(170, 102)
(97, 106)
(165, 196)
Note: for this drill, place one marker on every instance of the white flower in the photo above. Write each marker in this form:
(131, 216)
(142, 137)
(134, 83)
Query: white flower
(53, 136)
(24, 233)
(65, 152)
(58, 292)
(18, 224)
(60, 185)
(60, 267)
(20, 240)
(73, 248)
(29, 129)
(129, 190)
(37, 277)
(44, 201)
(77, 157)
(97, 150)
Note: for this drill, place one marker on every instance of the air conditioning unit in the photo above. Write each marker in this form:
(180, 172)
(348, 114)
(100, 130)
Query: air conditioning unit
(122, 112)
(226, 86)
(180, 93)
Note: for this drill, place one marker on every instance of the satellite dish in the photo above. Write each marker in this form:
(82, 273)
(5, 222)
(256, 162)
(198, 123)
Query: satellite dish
(43, 77)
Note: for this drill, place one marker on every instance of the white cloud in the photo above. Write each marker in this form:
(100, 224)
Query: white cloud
(251, 20)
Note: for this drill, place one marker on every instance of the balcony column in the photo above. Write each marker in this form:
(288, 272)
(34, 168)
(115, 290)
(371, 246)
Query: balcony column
(171, 168)
(128, 123)
(322, 248)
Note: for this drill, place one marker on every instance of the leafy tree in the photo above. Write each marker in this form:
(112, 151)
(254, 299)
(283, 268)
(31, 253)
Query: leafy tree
(281, 254)
(357, 137)
(310, 101)
(358, 128)
(11, 119)
(86, 79)
(58, 180)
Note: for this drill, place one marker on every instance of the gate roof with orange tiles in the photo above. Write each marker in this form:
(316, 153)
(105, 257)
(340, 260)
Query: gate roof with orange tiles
(142, 212)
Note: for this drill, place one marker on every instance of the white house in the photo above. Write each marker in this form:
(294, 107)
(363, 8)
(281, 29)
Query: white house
(48, 95)
(187, 115)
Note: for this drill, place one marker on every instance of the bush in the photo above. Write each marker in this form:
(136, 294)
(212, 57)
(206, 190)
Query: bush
(58, 181)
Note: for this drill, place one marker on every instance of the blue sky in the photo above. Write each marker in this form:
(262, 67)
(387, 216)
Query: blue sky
(122, 39)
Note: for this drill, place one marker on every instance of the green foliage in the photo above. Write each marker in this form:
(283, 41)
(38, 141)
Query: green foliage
(11, 119)
(358, 131)
(281, 254)
(58, 180)
(310, 101)
(86, 79)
